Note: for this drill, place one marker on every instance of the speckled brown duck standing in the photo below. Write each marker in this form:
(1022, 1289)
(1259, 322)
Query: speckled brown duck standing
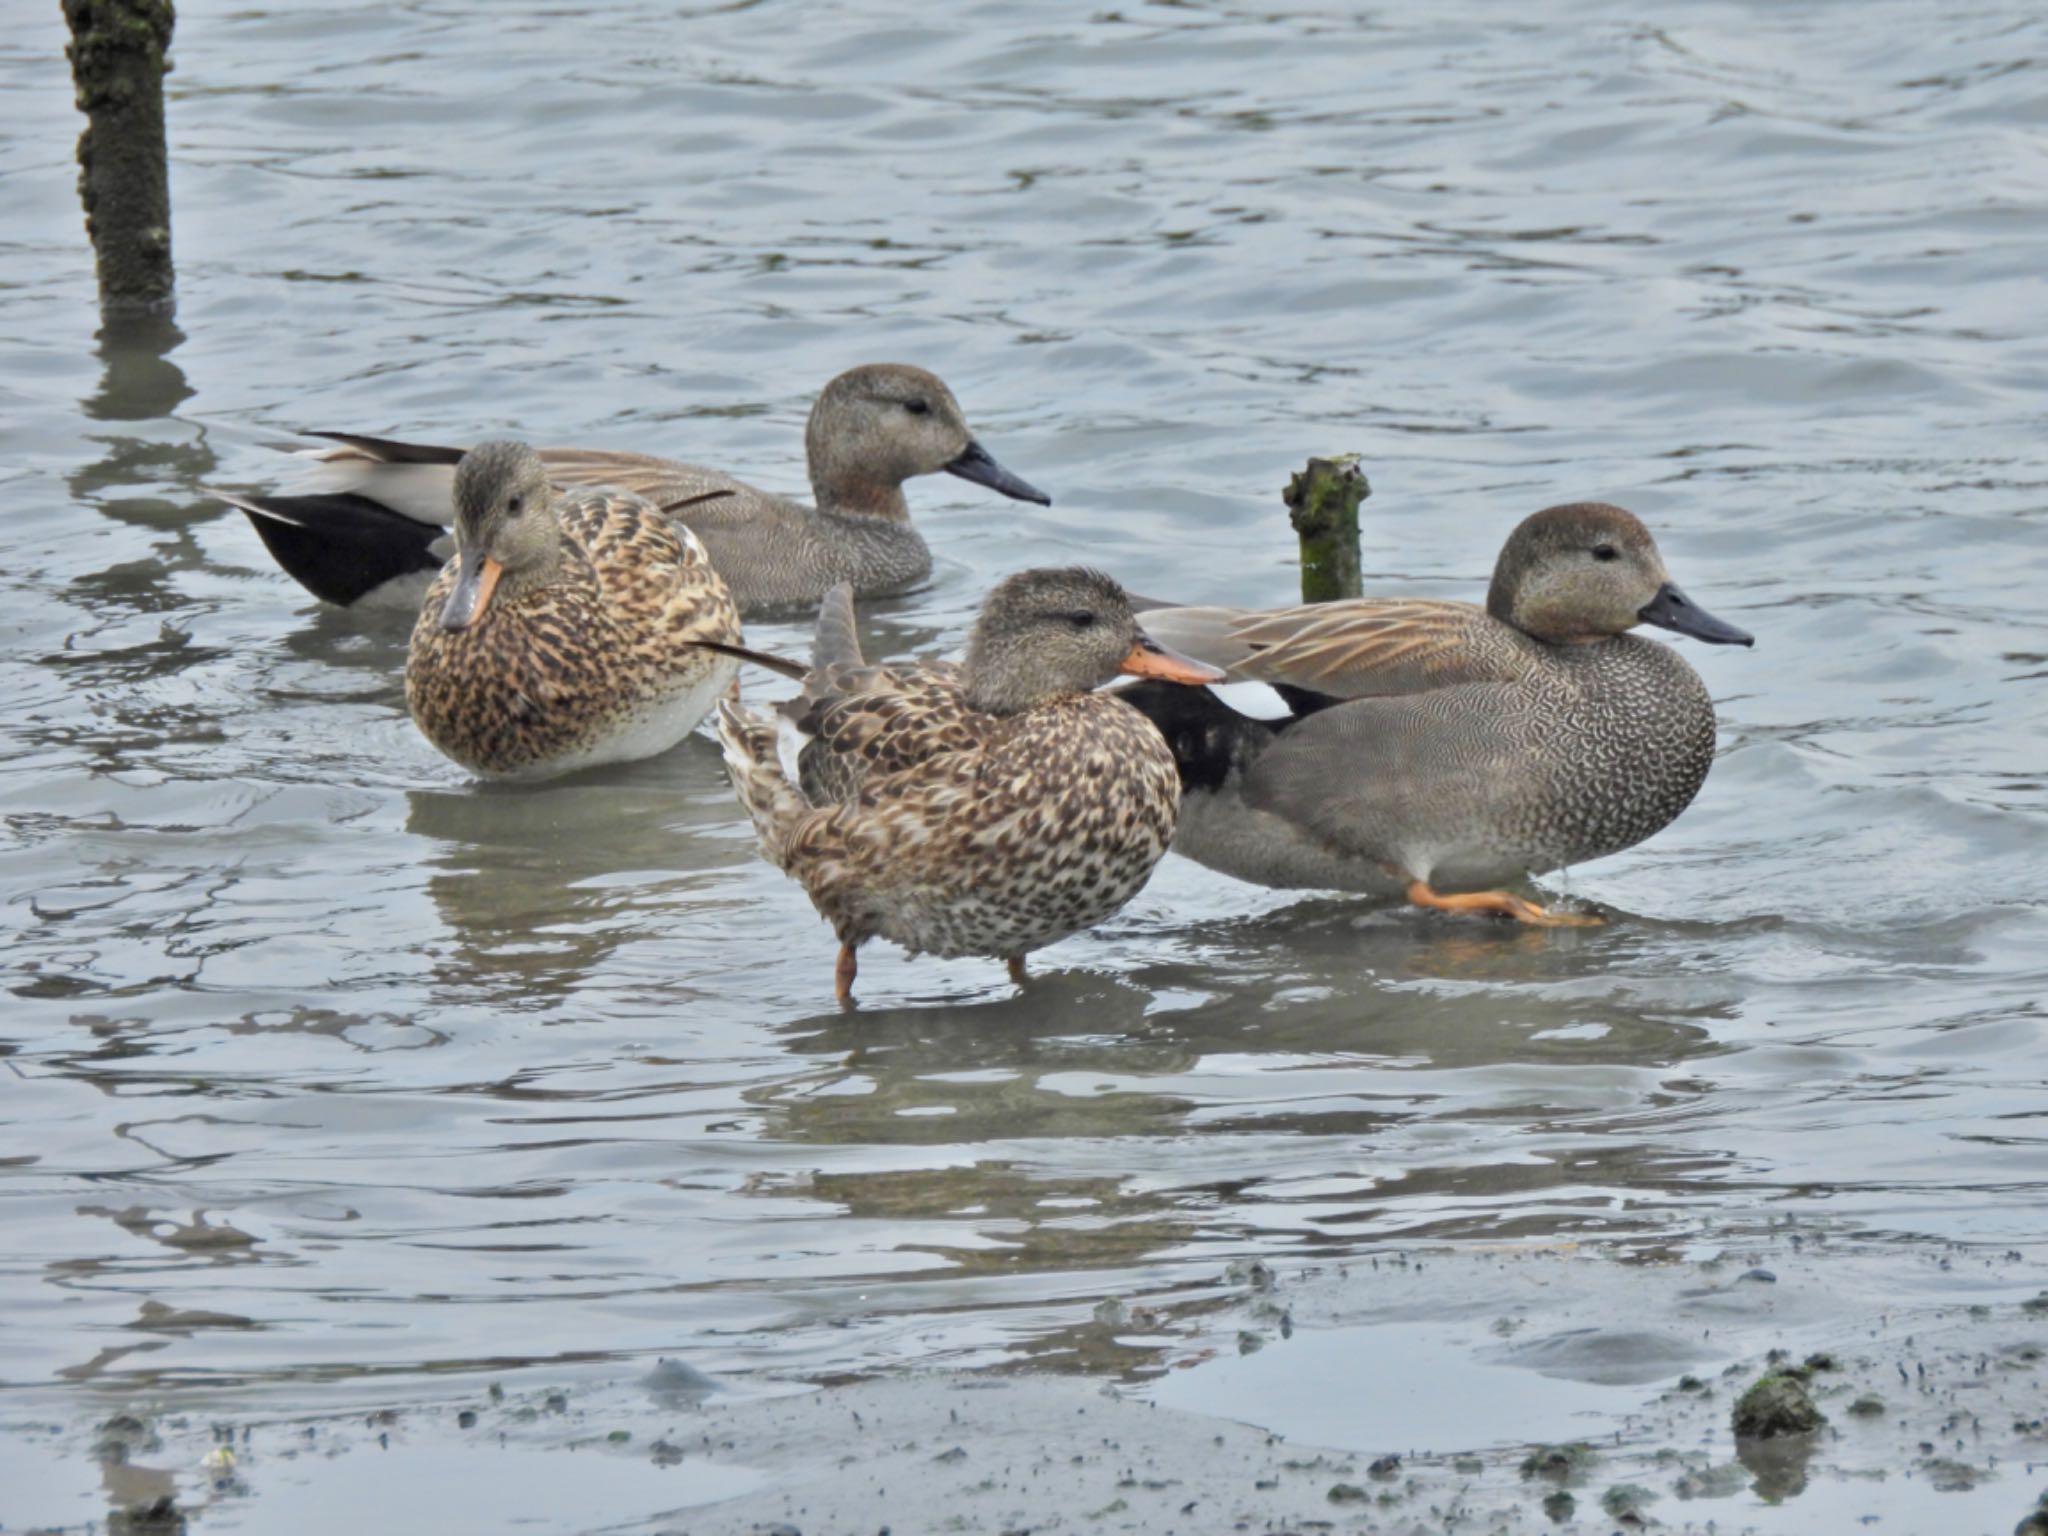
(563, 633)
(987, 808)
(371, 528)
(1436, 749)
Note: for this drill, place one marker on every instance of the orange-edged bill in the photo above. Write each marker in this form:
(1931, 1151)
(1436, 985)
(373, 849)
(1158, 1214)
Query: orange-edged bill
(476, 578)
(1149, 658)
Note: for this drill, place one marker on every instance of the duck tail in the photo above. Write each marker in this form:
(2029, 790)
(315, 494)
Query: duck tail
(752, 743)
(339, 546)
(837, 641)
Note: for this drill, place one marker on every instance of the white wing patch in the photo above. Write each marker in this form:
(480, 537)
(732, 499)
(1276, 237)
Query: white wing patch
(789, 742)
(423, 492)
(1255, 701)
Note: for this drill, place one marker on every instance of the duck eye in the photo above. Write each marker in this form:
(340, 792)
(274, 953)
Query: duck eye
(516, 505)
(918, 407)
(1081, 619)
(1606, 552)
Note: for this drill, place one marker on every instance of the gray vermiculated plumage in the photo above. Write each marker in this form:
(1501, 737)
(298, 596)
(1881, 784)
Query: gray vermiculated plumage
(872, 428)
(1439, 741)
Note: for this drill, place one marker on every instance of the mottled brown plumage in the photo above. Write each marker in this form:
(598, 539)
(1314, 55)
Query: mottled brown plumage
(1442, 744)
(581, 650)
(987, 808)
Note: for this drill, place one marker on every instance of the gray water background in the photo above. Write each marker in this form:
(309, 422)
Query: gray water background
(399, 1078)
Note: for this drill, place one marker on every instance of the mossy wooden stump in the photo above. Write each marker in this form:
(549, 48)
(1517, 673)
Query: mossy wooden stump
(1322, 503)
(118, 58)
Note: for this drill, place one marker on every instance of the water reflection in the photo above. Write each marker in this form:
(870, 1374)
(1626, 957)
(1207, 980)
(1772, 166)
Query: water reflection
(540, 886)
(139, 382)
(1779, 1466)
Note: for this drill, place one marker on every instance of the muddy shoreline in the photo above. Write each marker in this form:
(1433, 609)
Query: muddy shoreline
(1933, 1411)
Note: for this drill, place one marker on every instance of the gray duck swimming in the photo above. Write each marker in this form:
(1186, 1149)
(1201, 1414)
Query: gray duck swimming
(986, 808)
(371, 527)
(563, 634)
(1438, 750)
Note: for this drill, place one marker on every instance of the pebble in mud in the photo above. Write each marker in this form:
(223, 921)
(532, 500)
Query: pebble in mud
(678, 1382)
(1776, 1405)
(161, 1517)
(123, 1436)
(1558, 1463)
(1626, 1501)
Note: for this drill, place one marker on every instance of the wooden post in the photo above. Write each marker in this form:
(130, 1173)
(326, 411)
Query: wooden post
(118, 61)
(1322, 503)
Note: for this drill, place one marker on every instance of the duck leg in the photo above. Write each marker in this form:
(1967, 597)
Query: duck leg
(843, 974)
(1017, 972)
(1503, 903)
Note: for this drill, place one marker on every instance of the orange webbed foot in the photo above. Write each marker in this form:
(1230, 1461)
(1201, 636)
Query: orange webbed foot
(1502, 904)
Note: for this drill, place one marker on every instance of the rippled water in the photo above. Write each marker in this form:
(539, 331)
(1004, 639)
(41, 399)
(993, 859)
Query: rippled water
(387, 1074)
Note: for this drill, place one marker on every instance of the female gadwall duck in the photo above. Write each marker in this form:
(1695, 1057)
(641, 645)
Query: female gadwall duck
(988, 808)
(1437, 744)
(563, 633)
(372, 528)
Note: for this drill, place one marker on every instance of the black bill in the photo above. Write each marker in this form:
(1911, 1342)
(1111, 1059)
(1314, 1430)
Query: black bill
(1672, 609)
(975, 464)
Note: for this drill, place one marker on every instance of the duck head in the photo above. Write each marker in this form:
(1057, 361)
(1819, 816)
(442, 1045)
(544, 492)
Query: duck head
(881, 424)
(505, 526)
(1047, 632)
(1588, 571)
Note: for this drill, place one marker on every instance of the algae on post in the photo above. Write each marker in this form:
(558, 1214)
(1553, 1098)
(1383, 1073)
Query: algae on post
(118, 59)
(1322, 503)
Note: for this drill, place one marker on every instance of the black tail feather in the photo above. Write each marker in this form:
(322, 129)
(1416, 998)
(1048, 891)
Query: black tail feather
(341, 547)
(786, 667)
(672, 507)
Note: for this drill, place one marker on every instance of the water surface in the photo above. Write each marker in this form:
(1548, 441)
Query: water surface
(330, 1074)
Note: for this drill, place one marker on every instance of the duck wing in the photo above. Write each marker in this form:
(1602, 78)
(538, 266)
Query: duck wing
(869, 722)
(648, 564)
(668, 483)
(416, 478)
(357, 447)
(1366, 648)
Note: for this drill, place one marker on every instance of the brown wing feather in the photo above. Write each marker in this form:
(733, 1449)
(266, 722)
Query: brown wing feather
(1360, 649)
(649, 566)
(661, 481)
(864, 720)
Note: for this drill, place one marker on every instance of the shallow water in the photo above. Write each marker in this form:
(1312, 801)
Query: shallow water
(329, 1074)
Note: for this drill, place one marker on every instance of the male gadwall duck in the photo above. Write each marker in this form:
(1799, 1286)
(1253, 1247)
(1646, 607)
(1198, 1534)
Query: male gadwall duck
(1436, 749)
(987, 808)
(563, 634)
(372, 528)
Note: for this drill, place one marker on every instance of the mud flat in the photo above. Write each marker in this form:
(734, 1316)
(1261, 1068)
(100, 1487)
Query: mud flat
(1410, 1392)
